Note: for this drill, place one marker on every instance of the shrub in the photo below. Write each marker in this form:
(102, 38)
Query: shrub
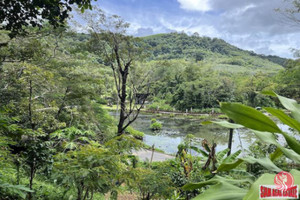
(135, 133)
(203, 116)
(102, 101)
(172, 115)
(160, 105)
(156, 126)
(153, 120)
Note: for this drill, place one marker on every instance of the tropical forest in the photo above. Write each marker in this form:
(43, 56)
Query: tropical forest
(94, 108)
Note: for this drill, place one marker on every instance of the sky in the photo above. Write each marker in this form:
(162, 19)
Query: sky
(248, 24)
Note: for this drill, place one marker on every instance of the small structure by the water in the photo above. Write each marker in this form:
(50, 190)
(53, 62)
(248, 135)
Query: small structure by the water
(140, 98)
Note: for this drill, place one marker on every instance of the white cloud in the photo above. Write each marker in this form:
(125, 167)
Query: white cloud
(195, 5)
(239, 11)
(247, 24)
(189, 26)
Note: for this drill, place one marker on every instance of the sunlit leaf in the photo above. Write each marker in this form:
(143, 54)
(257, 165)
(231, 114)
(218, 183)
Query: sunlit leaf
(270, 138)
(276, 154)
(284, 118)
(249, 117)
(224, 124)
(291, 105)
(220, 189)
(221, 154)
(265, 162)
(233, 156)
(292, 142)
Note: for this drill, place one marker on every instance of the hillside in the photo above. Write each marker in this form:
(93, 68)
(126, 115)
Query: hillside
(209, 50)
(212, 51)
(191, 71)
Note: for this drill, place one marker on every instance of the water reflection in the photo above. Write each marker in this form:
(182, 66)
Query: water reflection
(175, 129)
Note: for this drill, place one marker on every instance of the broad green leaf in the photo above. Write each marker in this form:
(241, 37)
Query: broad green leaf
(193, 186)
(296, 175)
(270, 139)
(229, 166)
(242, 173)
(249, 117)
(199, 151)
(292, 142)
(284, 118)
(265, 162)
(265, 179)
(270, 93)
(233, 156)
(216, 179)
(221, 188)
(266, 137)
(276, 154)
(222, 191)
(291, 105)
(225, 124)
(221, 154)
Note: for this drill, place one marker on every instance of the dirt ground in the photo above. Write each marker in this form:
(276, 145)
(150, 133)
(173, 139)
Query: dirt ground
(157, 156)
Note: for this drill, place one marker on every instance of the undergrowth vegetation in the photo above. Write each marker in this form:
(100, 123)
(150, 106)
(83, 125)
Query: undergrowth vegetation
(58, 141)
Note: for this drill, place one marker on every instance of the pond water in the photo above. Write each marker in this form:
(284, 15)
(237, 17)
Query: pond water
(175, 129)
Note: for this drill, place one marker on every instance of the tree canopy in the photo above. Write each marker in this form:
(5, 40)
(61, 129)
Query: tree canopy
(15, 14)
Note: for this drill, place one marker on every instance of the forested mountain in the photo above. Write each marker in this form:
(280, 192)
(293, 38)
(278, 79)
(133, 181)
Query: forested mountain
(195, 48)
(180, 45)
(191, 71)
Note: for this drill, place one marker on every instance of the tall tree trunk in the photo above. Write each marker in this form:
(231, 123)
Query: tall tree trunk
(148, 196)
(122, 96)
(63, 103)
(86, 194)
(78, 193)
(92, 195)
(30, 105)
(80, 190)
(32, 173)
(230, 139)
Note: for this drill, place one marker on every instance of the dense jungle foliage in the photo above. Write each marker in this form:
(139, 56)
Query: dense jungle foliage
(58, 142)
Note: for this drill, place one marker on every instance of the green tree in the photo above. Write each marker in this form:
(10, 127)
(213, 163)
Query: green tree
(88, 170)
(120, 52)
(288, 80)
(15, 14)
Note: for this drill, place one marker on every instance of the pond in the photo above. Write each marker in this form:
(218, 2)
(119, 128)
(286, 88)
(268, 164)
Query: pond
(174, 131)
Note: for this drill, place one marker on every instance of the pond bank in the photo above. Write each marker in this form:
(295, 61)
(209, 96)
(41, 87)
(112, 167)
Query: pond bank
(172, 113)
(145, 155)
